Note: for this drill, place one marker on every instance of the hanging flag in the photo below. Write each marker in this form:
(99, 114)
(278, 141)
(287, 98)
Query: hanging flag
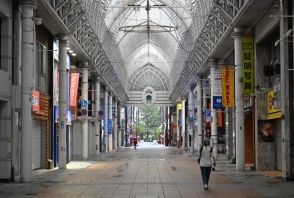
(228, 85)
(73, 90)
(247, 66)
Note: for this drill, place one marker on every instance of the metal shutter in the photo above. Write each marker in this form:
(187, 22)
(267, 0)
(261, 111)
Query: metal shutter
(36, 145)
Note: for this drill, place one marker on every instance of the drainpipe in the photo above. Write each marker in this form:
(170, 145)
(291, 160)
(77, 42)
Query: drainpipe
(27, 85)
(97, 121)
(239, 112)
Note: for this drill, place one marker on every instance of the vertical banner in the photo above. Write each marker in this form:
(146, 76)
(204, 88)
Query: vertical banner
(73, 90)
(217, 90)
(228, 85)
(35, 101)
(247, 66)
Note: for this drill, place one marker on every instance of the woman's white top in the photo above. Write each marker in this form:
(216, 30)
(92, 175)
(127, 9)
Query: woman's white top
(205, 160)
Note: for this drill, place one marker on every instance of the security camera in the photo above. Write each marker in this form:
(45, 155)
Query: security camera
(276, 7)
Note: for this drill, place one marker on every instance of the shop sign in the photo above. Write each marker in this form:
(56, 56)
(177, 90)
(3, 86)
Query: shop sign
(73, 90)
(247, 66)
(273, 107)
(35, 101)
(149, 96)
(217, 90)
(228, 86)
(179, 106)
(83, 103)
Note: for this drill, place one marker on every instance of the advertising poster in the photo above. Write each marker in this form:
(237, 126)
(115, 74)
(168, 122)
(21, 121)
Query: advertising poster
(247, 66)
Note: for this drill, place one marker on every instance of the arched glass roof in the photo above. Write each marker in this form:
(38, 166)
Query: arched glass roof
(148, 32)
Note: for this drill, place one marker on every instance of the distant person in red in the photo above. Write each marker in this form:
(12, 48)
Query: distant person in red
(135, 143)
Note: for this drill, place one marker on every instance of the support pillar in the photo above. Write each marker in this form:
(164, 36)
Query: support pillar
(199, 114)
(178, 127)
(120, 127)
(105, 132)
(27, 85)
(62, 103)
(110, 130)
(183, 123)
(85, 79)
(115, 125)
(191, 119)
(97, 121)
(213, 111)
(239, 111)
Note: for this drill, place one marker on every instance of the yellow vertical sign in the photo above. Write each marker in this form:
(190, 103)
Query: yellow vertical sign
(228, 86)
(247, 66)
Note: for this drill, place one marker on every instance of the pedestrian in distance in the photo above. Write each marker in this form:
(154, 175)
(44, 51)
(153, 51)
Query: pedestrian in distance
(206, 161)
(135, 143)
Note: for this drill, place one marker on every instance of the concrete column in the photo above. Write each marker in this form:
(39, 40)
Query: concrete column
(121, 128)
(110, 136)
(85, 132)
(239, 111)
(115, 135)
(199, 114)
(213, 111)
(105, 134)
(183, 123)
(27, 85)
(227, 132)
(191, 119)
(62, 103)
(178, 128)
(97, 121)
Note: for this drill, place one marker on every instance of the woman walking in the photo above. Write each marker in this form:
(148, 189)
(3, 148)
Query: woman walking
(205, 160)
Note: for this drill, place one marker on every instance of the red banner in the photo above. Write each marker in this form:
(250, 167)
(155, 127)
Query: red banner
(35, 101)
(73, 89)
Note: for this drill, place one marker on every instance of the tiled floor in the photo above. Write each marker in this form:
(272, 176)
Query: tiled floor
(144, 173)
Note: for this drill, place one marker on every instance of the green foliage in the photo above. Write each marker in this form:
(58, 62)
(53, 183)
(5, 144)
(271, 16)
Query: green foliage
(150, 119)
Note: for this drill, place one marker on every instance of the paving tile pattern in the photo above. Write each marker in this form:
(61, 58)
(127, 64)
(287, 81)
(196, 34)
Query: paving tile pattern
(142, 173)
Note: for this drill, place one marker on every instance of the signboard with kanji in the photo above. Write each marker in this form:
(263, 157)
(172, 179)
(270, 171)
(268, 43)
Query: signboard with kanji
(109, 126)
(228, 85)
(73, 89)
(247, 66)
(217, 90)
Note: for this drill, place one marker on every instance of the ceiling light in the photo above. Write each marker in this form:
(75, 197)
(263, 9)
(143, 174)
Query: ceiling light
(70, 51)
(74, 54)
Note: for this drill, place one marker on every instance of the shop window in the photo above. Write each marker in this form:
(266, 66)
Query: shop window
(41, 68)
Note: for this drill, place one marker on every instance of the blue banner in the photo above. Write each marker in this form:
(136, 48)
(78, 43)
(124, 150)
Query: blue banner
(217, 102)
(109, 126)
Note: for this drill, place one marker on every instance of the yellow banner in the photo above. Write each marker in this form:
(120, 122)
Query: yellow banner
(228, 86)
(247, 66)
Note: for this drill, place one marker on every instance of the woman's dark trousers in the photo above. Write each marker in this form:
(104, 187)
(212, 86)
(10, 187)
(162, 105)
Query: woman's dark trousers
(205, 172)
